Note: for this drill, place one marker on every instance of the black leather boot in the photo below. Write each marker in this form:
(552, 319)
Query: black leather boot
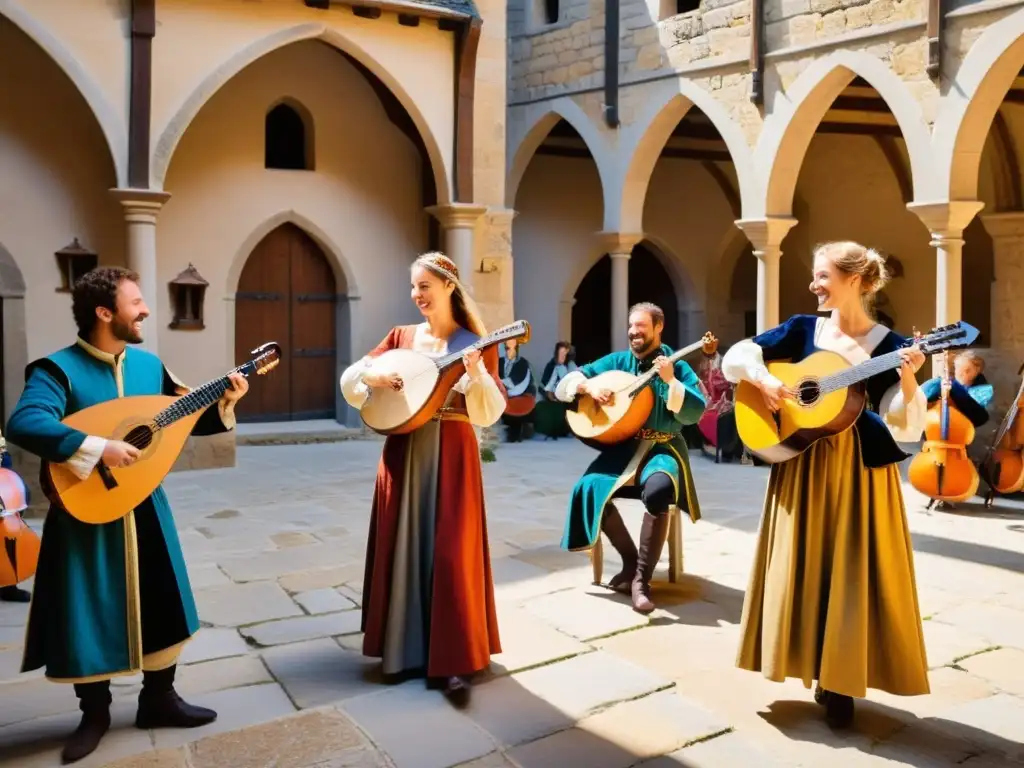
(653, 534)
(94, 701)
(15, 594)
(160, 706)
(615, 529)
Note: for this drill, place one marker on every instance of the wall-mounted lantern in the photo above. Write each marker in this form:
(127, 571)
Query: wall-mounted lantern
(187, 292)
(73, 261)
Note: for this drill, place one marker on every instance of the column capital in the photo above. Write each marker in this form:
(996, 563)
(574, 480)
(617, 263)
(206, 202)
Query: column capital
(457, 215)
(141, 205)
(767, 234)
(1005, 225)
(946, 219)
(619, 243)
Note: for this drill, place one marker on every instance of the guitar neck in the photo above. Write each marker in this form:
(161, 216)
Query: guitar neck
(1008, 419)
(198, 399)
(858, 373)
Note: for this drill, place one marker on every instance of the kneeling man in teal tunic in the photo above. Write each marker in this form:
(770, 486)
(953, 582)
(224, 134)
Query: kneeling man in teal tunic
(654, 465)
(111, 599)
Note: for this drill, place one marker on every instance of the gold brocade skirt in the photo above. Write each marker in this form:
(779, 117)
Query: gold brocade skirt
(832, 594)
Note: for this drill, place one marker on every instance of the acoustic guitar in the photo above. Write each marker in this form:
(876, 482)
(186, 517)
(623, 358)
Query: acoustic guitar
(830, 395)
(158, 425)
(426, 382)
(620, 419)
(19, 544)
(1003, 465)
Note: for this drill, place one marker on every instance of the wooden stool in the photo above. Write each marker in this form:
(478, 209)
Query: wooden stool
(675, 548)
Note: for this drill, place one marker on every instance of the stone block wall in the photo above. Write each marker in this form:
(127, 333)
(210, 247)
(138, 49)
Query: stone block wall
(799, 22)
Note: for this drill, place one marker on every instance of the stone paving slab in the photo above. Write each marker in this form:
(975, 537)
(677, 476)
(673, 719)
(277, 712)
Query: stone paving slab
(582, 680)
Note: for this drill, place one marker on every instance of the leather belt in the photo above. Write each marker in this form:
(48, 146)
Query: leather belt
(446, 414)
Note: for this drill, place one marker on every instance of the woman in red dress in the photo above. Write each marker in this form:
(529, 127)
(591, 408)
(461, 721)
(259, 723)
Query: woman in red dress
(428, 596)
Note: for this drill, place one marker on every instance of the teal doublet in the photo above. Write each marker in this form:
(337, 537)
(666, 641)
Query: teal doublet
(659, 448)
(95, 613)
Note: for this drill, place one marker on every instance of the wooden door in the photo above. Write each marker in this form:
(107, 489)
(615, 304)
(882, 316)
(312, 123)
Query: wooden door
(287, 293)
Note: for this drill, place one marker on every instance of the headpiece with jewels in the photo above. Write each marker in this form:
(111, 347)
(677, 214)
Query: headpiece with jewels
(441, 262)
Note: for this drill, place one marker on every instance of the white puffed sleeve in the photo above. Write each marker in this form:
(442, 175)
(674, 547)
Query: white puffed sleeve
(569, 385)
(84, 460)
(676, 396)
(484, 401)
(745, 362)
(353, 388)
(906, 421)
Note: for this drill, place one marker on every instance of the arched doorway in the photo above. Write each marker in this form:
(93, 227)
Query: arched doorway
(591, 317)
(287, 293)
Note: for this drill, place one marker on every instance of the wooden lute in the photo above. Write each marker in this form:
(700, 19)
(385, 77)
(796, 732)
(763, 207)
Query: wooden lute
(830, 396)
(602, 425)
(426, 382)
(158, 425)
(19, 544)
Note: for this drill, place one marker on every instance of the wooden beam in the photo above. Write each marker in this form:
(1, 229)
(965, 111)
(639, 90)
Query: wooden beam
(935, 30)
(860, 129)
(672, 153)
(859, 104)
(757, 52)
(141, 90)
(408, 20)
(1014, 97)
(611, 63)
(322, 5)
(366, 11)
(467, 44)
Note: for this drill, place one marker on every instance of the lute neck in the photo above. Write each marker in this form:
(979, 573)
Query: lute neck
(494, 337)
(675, 357)
(197, 400)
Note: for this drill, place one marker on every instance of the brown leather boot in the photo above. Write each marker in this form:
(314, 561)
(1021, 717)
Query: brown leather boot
(94, 701)
(653, 534)
(615, 529)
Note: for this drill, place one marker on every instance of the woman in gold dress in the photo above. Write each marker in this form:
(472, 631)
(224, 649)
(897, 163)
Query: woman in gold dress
(832, 596)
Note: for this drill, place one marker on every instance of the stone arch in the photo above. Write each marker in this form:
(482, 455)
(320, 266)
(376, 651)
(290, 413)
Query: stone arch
(15, 337)
(345, 320)
(539, 119)
(970, 104)
(343, 274)
(218, 78)
(645, 139)
(796, 115)
(106, 116)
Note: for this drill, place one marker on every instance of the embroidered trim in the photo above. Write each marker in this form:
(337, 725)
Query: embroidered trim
(655, 435)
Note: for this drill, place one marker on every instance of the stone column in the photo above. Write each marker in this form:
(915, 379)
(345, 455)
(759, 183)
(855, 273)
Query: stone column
(946, 222)
(459, 221)
(619, 248)
(1006, 353)
(141, 208)
(766, 235)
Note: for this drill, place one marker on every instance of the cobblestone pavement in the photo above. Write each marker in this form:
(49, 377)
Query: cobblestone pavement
(275, 552)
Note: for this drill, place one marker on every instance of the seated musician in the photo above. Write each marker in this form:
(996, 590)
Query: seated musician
(516, 374)
(970, 392)
(653, 466)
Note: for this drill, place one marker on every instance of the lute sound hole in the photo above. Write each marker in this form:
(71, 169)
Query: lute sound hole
(141, 437)
(808, 392)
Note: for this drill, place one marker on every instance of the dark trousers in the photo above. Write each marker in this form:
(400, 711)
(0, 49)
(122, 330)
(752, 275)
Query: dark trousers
(657, 493)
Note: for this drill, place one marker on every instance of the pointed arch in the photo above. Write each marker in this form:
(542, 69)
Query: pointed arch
(110, 122)
(344, 276)
(797, 113)
(172, 134)
(970, 105)
(645, 140)
(537, 121)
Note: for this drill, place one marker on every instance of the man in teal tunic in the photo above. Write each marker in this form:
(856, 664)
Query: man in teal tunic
(654, 466)
(110, 599)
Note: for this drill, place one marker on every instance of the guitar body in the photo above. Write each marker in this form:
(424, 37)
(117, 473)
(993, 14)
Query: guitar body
(90, 500)
(424, 391)
(803, 420)
(602, 425)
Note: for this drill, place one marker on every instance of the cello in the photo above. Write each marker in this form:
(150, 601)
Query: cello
(1003, 465)
(942, 470)
(19, 554)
